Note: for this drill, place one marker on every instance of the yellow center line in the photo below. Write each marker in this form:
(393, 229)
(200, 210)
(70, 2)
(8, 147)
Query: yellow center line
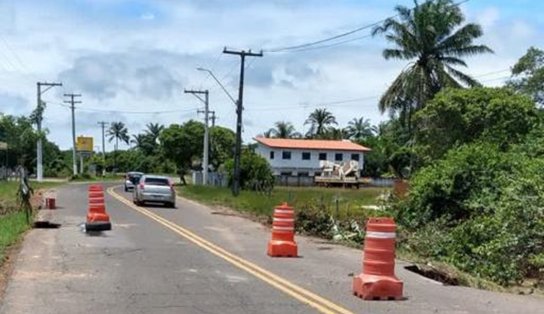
(301, 294)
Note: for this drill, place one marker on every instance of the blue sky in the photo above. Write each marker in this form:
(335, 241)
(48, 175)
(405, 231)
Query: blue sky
(129, 58)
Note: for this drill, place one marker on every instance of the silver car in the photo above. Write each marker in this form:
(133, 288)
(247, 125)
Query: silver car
(153, 188)
(131, 179)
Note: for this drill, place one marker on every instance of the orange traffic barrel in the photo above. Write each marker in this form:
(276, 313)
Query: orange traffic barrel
(97, 218)
(378, 280)
(95, 187)
(282, 243)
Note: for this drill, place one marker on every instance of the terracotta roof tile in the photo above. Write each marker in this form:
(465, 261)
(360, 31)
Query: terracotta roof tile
(311, 144)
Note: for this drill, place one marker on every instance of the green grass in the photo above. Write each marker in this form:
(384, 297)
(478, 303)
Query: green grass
(8, 189)
(12, 226)
(349, 200)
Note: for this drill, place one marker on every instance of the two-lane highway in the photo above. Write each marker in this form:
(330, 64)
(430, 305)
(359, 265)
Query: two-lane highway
(138, 267)
(193, 259)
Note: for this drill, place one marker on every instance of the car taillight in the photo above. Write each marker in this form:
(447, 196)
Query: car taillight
(142, 186)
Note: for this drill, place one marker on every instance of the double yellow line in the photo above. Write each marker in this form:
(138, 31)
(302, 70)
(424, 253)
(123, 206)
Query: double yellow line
(301, 294)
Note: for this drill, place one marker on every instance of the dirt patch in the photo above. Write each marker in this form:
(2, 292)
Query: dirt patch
(434, 274)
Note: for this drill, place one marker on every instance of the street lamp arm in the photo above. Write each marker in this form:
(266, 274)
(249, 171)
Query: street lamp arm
(220, 84)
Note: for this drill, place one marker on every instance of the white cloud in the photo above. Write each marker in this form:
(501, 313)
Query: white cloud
(489, 17)
(141, 58)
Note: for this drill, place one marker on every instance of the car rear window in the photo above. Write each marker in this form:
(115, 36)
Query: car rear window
(157, 181)
(134, 178)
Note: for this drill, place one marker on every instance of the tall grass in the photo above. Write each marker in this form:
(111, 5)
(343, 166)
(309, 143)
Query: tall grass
(350, 201)
(12, 227)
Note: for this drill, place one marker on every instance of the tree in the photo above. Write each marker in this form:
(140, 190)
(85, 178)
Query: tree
(117, 131)
(283, 129)
(255, 172)
(319, 120)
(528, 75)
(145, 143)
(153, 131)
(455, 117)
(222, 141)
(182, 144)
(333, 133)
(431, 36)
(360, 129)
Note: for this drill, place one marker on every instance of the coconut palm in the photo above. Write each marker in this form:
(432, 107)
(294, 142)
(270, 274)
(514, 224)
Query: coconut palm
(431, 36)
(319, 120)
(154, 130)
(360, 129)
(117, 131)
(333, 133)
(284, 129)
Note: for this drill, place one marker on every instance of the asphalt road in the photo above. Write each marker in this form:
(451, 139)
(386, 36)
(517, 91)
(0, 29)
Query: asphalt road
(193, 259)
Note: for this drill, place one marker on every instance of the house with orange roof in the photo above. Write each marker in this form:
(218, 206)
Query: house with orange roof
(301, 157)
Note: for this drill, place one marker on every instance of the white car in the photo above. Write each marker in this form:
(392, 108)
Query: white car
(152, 188)
(131, 179)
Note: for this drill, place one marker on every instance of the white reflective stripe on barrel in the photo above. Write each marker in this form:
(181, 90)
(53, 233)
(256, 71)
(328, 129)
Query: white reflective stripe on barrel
(284, 219)
(282, 228)
(284, 211)
(380, 235)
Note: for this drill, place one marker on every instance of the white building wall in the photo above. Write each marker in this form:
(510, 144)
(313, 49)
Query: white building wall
(296, 164)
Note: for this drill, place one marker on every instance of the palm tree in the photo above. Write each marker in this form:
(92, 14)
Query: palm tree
(154, 130)
(360, 129)
(138, 140)
(117, 131)
(431, 37)
(333, 133)
(283, 129)
(319, 120)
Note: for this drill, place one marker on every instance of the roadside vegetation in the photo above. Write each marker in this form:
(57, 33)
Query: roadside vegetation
(473, 156)
(13, 221)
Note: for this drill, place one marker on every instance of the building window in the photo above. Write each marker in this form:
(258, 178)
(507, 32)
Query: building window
(305, 156)
(286, 155)
(303, 174)
(286, 174)
(339, 157)
(322, 156)
(271, 155)
(355, 157)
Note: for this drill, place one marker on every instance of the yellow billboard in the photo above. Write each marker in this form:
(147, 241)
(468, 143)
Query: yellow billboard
(84, 144)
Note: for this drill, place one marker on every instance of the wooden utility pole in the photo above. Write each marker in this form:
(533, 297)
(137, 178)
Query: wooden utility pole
(239, 108)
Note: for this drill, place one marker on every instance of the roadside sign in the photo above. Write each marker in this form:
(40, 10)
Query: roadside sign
(84, 144)
(3, 145)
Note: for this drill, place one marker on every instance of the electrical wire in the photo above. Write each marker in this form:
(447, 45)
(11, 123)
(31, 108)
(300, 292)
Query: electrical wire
(341, 35)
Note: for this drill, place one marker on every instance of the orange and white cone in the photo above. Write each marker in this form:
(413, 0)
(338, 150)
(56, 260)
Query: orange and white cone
(378, 280)
(283, 242)
(97, 218)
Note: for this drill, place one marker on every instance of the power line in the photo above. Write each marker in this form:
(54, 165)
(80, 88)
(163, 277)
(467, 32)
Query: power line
(341, 35)
(90, 109)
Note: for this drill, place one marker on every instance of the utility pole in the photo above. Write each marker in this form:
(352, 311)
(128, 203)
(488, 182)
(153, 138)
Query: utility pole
(72, 103)
(103, 125)
(213, 117)
(239, 108)
(206, 131)
(40, 107)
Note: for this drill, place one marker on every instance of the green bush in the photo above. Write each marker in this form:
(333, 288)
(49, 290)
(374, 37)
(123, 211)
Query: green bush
(255, 173)
(479, 209)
